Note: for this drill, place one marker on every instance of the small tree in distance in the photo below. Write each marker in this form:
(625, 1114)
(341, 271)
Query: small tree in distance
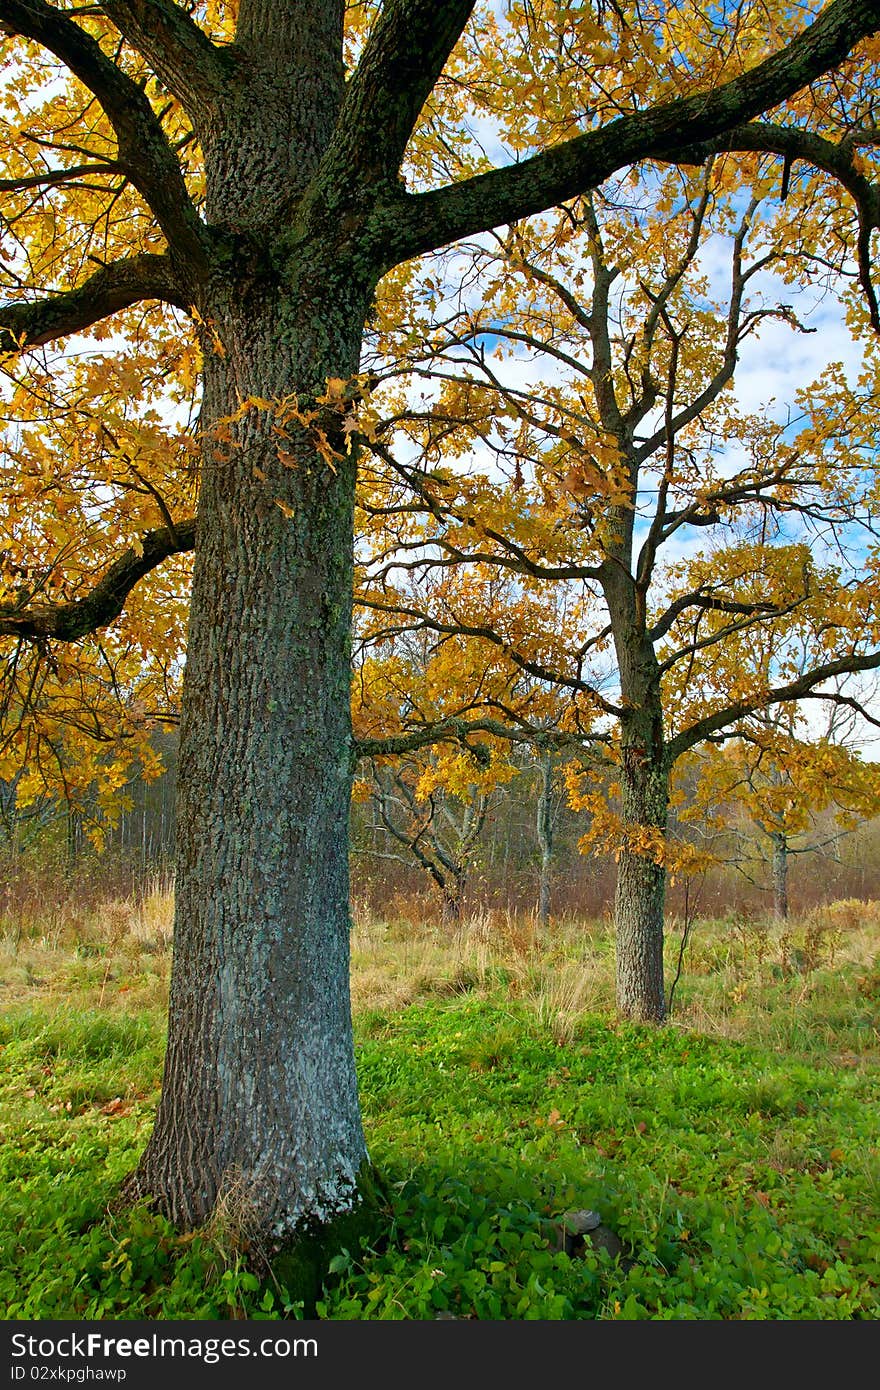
(797, 790)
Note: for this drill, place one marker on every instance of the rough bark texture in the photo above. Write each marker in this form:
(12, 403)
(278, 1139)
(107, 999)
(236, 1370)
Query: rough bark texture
(259, 1089)
(641, 876)
(259, 1099)
(640, 894)
(450, 912)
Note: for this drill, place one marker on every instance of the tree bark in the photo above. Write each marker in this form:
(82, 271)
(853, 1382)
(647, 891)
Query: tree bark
(259, 1094)
(641, 891)
(641, 870)
(450, 914)
(779, 865)
(544, 831)
(259, 1099)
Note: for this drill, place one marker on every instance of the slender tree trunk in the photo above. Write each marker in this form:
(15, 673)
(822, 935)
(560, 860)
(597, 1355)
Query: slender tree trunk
(451, 911)
(641, 871)
(544, 829)
(779, 868)
(73, 841)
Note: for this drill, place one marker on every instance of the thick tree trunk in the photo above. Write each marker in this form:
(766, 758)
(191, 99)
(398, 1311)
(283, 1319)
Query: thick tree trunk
(641, 870)
(259, 1100)
(259, 1097)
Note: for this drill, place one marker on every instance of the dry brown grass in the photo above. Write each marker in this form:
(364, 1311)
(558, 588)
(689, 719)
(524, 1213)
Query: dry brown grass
(850, 915)
(745, 978)
(114, 953)
(560, 973)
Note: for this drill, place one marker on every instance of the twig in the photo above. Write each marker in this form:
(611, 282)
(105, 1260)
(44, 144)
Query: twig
(685, 935)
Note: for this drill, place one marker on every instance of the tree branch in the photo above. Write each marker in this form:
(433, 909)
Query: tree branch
(516, 558)
(404, 55)
(457, 730)
(51, 178)
(792, 143)
(66, 622)
(143, 151)
(423, 222)
(795, 690)
(710, 604)
(423, 621)
(834, 697)
(444, 731)
(178, 51)
(114, 287)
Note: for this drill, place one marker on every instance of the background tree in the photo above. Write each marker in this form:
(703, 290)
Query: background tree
(226, 171)
(437, 828)
(623, 444)
(545, 808)
(781, 777)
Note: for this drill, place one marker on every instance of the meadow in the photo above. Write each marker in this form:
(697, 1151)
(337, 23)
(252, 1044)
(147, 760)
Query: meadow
(731, 1156)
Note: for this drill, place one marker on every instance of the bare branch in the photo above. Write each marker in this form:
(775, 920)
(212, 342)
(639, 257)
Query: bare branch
(834, 697)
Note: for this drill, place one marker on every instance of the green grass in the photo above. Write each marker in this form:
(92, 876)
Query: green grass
(734, 1152)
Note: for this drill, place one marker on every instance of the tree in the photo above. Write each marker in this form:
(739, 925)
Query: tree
(77, 725)
(415, 689)
(544, 829)
(782, 775)
(624, 443)
(439, 831)
(433, 750)
(224, 165)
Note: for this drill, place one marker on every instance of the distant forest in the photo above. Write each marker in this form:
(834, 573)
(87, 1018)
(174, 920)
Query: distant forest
(501, 869)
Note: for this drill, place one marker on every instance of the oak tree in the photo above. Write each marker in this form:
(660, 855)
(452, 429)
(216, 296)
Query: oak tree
(784, 788)
(720, 562)
(253, 171)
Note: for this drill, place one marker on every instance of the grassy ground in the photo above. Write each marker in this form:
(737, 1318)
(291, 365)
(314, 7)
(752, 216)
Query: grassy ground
(734, 1154)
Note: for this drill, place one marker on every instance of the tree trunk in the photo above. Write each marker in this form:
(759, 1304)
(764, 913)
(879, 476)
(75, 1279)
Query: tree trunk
(641, 889)
(259, 1095)
(644, 781)
(259, 1100)
(74, 841)
(450, 915)
(544, 829)
(779, 862)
